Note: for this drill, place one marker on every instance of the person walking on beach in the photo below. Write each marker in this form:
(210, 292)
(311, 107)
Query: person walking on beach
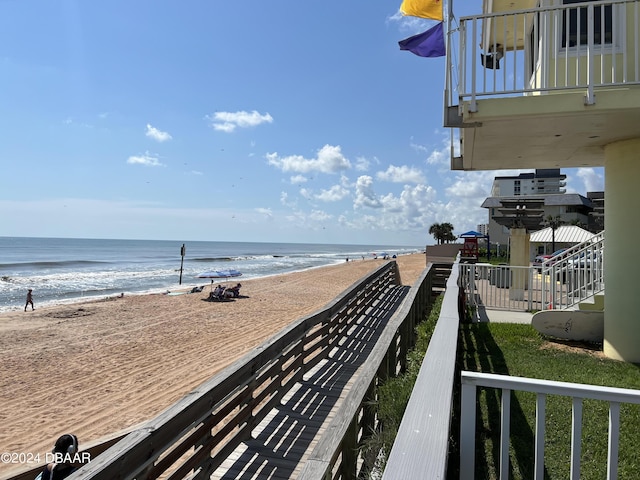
(29, 301)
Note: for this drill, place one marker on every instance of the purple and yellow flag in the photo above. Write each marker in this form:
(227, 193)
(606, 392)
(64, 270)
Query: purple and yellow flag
(422, 8)
(426, 44)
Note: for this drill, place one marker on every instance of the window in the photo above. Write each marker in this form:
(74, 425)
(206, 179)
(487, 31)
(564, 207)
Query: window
(578, 28)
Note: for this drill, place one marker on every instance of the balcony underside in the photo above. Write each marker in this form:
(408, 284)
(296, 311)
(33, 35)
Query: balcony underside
(546, 131)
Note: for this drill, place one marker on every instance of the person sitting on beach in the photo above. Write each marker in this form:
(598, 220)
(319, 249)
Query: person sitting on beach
(64, 451)
(218, 293)
(233, 291)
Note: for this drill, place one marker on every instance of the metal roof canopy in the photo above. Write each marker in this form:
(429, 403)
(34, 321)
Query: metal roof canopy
(563, 234)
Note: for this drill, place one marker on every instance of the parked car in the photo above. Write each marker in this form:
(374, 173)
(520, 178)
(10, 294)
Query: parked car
(585, 260)
(540, 259)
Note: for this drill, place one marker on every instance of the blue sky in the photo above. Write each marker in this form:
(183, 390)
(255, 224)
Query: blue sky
(232, 121)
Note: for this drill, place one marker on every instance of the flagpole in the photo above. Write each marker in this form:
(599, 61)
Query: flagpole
(448, 86)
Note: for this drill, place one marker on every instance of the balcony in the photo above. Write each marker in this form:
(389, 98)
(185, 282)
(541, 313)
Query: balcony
(545, 87)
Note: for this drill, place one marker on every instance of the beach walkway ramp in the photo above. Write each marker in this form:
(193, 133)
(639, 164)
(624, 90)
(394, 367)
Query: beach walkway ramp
(300, 405)
(280, 445)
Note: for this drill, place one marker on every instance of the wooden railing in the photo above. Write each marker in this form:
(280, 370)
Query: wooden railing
(336, 453)
(194, 436)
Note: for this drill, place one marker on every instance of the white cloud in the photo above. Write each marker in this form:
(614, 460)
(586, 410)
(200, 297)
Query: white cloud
(475, 185)
(410, 24)
(403, 174)
(409, 211)
(333, 194)
(71, 121)
(265, 211)
(440, 157)
(365, 195)
(362, 164)
(284, 200)
(229, 121)
(298, 179)
(329, 160)
(156, 134)
(319, 216)
(145, 159)
(592, 180)
(306, 193)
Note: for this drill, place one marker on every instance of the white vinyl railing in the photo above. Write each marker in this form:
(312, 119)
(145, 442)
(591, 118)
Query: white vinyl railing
(578, 392)
(575, 275)
(523, 52)
(560, 283)
(503, 287)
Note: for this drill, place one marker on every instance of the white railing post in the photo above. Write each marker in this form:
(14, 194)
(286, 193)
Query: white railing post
(505, 432)
(614, 439)
(467, 431)
(590, 98)
(541, 404)
(576, 438)
(473, 107)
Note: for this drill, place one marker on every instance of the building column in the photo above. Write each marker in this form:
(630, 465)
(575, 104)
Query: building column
(519, 258)
(621, 255)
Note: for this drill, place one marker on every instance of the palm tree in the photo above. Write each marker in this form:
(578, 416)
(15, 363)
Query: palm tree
(442, 232)
(554, 223)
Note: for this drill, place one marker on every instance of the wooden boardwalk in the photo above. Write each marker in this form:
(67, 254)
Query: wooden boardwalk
(280, 445)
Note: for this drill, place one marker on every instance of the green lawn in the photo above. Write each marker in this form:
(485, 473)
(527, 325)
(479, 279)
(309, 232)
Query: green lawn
(518, 350)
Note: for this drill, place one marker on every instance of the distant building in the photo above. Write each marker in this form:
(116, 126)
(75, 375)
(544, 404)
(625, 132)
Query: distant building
(482, 228)
(542, 181)
(596, 217)
(572, 208)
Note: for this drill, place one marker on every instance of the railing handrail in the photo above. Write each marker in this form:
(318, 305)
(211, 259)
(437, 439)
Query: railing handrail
(566, 6)
(551, 387)
(581, 282)
(578, 392)
(422, 443)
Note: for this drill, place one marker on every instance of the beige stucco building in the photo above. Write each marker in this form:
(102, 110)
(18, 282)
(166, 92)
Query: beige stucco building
(547, 84)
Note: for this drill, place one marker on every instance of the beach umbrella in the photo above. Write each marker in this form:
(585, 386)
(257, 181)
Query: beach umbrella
(213, 274)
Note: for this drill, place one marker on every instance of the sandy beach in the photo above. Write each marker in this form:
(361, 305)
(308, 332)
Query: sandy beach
(105, 366)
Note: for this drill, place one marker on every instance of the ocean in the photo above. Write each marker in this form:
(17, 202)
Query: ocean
(68, 270)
